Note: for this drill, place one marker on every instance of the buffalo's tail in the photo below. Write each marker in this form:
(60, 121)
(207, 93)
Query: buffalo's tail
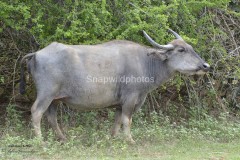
(22, 76)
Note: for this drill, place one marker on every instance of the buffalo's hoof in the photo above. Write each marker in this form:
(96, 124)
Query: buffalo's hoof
(62, 140)
(131, 141)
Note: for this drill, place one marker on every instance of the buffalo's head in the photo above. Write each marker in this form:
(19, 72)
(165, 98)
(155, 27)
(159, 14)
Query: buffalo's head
(179, 55)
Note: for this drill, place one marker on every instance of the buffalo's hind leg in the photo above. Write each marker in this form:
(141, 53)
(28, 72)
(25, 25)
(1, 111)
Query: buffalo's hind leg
(40, 105)
(51, 114)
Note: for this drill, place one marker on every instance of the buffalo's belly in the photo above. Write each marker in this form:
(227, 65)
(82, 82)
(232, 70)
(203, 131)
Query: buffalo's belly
(89, 102)
(83, 107)
(89, 105)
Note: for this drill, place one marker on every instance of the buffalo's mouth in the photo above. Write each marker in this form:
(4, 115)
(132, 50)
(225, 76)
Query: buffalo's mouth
(190, 72)
(198, 71)
(201, 72)
(203, 69)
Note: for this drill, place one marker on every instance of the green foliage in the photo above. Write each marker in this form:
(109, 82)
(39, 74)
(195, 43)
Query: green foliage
(1, 79)
(92, 22)
(96, 21)
(12, 13)
(13, 118)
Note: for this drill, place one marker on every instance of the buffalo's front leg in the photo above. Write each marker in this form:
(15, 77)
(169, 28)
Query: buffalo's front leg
(127, 121)
(131, 104)
(128, 108)
(117, 123)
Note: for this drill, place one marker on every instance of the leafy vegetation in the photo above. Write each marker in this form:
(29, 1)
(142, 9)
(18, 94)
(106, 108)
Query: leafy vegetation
(187, 115)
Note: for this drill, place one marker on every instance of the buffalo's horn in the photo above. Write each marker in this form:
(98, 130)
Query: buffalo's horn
(155, 44)
(175, 34)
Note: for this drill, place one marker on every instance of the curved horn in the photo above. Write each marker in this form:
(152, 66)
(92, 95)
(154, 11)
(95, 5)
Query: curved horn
(175, 34)
(155, 44)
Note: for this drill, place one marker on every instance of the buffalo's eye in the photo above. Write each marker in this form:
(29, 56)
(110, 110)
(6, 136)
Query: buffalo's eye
(181, 49)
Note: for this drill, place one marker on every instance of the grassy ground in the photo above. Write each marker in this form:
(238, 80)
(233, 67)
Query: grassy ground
(175, 148)
(208, 139)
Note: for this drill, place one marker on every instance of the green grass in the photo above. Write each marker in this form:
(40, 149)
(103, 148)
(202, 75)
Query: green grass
(205, 139)
(117, 149)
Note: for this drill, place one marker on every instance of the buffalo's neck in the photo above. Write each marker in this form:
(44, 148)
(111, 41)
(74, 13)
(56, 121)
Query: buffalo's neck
(157, 70)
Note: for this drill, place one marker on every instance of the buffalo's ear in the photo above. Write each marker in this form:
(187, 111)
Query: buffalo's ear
(162, 54)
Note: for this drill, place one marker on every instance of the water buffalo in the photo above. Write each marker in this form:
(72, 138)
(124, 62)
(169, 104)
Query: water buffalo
(116, 74)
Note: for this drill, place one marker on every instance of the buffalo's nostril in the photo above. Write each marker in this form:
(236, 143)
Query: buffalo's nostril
(206, 67)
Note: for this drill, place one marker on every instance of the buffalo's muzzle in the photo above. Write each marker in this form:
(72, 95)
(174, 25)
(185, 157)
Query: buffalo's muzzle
(205, 67)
